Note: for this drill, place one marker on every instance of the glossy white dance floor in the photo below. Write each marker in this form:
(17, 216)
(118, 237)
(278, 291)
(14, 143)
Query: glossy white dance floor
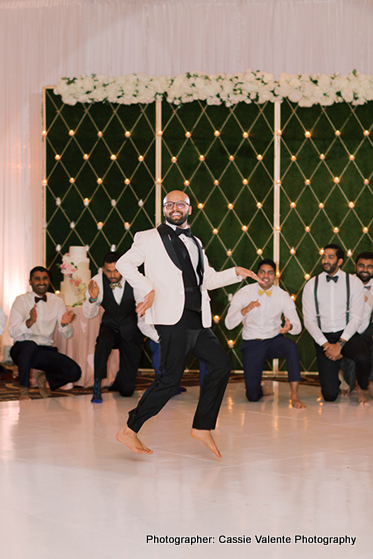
(69, 490)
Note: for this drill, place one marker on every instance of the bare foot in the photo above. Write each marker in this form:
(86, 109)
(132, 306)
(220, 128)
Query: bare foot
(130, 439)
(370, 388)
(296, 403)
(206, 438)
(362, 397)
(41, 381)
(24, 393)
(267, 389)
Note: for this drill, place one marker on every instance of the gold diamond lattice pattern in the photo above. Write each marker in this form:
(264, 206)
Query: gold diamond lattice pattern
(326, 193)
(223, 159)
(99, 180)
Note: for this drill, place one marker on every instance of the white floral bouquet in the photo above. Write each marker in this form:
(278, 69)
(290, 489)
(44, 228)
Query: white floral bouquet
(78, 287)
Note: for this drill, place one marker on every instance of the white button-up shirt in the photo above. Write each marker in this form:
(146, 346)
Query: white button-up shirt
(332, 300)
(3, 319)
(49, 313)
(262, 322)
(368, 306)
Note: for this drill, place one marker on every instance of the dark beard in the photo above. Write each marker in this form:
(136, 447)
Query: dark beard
(366, 278)
(177, 222)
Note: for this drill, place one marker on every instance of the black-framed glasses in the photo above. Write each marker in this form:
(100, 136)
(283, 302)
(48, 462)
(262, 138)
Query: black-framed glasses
(179, 205)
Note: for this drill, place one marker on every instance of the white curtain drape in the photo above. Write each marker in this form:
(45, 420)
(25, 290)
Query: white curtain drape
(42, 41)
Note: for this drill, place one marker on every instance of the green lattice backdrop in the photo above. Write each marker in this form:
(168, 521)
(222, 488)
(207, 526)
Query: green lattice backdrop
(100, 189)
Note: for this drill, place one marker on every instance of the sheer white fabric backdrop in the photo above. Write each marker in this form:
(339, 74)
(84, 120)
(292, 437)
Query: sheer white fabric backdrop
(42, 41)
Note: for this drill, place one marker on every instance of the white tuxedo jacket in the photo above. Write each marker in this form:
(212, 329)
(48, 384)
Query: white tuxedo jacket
(162, 275)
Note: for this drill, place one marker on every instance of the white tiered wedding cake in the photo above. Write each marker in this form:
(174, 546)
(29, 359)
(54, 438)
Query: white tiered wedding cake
(75, 267)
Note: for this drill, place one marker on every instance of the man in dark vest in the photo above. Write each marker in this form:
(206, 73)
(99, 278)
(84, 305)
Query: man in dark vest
(119, 327)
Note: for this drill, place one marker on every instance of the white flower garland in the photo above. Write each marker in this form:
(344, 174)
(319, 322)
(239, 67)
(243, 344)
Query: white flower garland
(304, 89)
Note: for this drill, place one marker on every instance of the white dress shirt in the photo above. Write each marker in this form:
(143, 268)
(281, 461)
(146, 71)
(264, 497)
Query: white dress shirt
(368, 306)
(262, 322)
(191, 248)
(3, 319)
(332, 299)
(49, 313)
(90, 310)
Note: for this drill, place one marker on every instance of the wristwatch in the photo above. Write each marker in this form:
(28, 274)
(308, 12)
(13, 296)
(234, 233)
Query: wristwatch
(341, 342)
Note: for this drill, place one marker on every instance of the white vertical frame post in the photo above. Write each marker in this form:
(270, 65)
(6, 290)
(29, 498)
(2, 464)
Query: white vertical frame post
(276, 195)
(158, 162)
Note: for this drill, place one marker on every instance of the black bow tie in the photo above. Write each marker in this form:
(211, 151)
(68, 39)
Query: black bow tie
(333, 278)
(186, 231)
(43, 298)
(367, 287)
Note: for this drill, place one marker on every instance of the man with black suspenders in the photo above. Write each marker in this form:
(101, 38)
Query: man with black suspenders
(333, 307)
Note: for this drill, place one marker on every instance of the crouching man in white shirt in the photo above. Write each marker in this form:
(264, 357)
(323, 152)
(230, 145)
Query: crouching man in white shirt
(260, 307)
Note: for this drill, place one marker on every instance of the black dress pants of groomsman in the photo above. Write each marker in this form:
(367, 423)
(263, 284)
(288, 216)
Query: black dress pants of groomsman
(177, 343)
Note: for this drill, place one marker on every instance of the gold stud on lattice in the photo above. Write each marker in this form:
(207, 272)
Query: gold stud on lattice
(231, 158)
(336, 180)
(127, 133)
(113, 203)
(57, 157)
(201, 158)
(366, 132)
(229, 252)
(230, 343)
(215, 231)
(86, 201)
(337, 133)
(71, 132)
(322, 156)
(140, 158)
(244, 228)
(58, 201)
(245, 182)
(365, 229)
(351, 157)
(216, 133)
(366, 181)
(188, 134)
(259, 205)
(216, 183)
(200, 206)
(351, 205)
(126, 225)
(307, 182)
(44, 133)
(321, 251)
(159, 132)
(71, 180)
(307, 229)
(293, 158)
(307, 134)
(100, 225)
(349, 253)
(292, 296)
(72, 225)
(186, 183)
(292, 251)
(216, 319)
(279, 132)
(44, 182)
(293, 205)
(174, 159)
(307, 276)
(85, 156)
(335, 229)
(245, 134)
(321, 205)
(230, 206)
(259, 251)
(99, 134)
(113, 157)
(277, 228)
(127, 181)
(259, 157)
(99, 181)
